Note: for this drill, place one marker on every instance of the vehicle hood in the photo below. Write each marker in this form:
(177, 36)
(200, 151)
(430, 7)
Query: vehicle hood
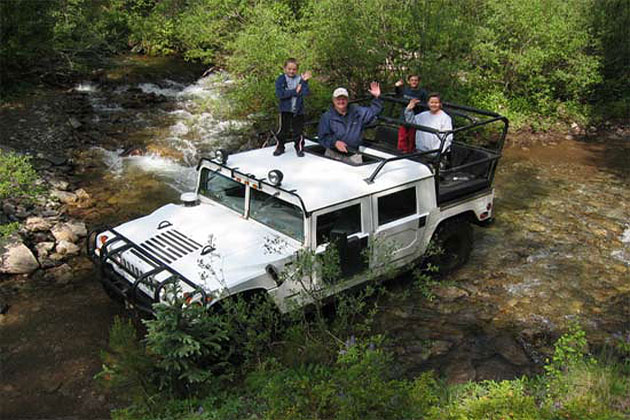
(210, 245)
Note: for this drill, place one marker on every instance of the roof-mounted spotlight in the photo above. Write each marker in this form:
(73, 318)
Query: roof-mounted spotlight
(221, 155)
(275, 177)
(189, 199)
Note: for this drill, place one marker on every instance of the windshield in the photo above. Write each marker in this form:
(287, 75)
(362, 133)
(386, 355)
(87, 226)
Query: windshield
(277, 214)
(223, 190)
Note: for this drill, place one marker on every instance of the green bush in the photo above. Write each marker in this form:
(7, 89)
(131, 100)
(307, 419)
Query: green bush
(17, 176)
(186, 344)
(491, 400)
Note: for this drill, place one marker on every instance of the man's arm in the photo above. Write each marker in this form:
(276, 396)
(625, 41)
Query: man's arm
(325, 133)
(281, 92)
(369, 113)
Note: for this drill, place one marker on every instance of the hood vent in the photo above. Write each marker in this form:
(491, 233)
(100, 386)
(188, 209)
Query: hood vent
(170, 245)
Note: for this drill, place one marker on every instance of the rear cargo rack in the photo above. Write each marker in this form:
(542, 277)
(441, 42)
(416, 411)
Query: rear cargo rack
(118, 284)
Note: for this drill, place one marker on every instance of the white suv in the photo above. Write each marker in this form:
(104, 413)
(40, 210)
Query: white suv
(253, 212)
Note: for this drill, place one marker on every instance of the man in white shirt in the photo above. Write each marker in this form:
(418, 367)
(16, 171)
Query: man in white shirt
(435, 118)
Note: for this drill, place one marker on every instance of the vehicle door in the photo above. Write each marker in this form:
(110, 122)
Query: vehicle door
(398, 226)
(346, 226)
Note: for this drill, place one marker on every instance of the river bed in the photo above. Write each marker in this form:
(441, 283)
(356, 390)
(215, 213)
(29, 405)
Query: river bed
(558, 252)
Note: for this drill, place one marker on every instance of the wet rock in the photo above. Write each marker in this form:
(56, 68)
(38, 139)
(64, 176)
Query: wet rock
(43, 249)
(62, 274)
(64, 196)
(82, 194)
(495, 369)
(8, 208)
(37, 224)
(78, 228)
(63, 232)
(460, 371)
(450, 294)
(511, 350)
(4, 308)
(49, 213)
(59, 184)
(17, 259)
(74, 123)
(67, 248)
(57, 160)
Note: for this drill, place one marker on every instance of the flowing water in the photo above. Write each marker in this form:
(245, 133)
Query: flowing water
(559, 251)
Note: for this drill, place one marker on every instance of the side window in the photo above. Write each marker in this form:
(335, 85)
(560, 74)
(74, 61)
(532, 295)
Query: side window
(396, 206)
(346, 220)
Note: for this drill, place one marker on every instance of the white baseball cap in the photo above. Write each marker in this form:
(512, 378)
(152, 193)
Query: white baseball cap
(340, 92)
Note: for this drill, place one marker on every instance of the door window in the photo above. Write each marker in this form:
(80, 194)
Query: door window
(396, 205)
(346, 220)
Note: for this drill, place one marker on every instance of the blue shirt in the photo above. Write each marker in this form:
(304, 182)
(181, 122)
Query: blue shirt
(347, 128)
(285, 95)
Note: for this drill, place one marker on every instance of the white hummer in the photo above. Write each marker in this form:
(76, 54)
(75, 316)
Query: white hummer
(252, 213)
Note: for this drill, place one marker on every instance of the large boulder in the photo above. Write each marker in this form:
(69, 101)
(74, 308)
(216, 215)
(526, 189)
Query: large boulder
(64, 196)
(37, 224)
(67, 248)
(16, 258)
(63, 232)
(78, 228)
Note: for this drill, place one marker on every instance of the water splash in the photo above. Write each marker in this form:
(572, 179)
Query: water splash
(86, 87)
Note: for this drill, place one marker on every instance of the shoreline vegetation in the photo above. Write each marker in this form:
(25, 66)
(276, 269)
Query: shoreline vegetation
(539, 63)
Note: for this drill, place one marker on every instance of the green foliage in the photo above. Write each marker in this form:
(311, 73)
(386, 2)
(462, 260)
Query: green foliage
(491, 400)
(186, 342)
(357, 386)
(8, 229)
(570, 349)
(17, 176)
(126, 367)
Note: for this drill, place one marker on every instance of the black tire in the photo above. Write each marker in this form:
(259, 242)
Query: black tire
(451, 245)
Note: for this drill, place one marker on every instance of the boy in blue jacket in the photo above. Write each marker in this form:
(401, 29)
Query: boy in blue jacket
(291, 89)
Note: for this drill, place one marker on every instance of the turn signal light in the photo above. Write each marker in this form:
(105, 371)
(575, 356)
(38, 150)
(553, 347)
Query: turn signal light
(103, 239)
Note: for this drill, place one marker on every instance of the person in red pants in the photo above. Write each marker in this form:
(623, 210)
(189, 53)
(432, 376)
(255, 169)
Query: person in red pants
(407, 135)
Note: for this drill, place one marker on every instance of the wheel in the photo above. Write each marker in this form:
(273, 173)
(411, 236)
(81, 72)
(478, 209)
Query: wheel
(451, 245)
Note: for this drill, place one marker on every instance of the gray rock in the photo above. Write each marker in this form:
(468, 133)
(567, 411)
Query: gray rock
(50, 213)
(37, 224)
(67, 248)
(78, 228)
(57, 160)
(59, 184)
(18, 259)
(74, 123)
(43, 249)
(63, 232)
(460, 371)
(511, 351)
(8, 209)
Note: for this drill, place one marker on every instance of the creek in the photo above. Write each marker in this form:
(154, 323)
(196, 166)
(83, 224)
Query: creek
(558, 252)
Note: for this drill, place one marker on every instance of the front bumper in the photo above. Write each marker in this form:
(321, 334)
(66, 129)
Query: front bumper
(123, 281)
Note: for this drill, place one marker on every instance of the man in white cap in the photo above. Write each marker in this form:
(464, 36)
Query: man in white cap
(341, 127)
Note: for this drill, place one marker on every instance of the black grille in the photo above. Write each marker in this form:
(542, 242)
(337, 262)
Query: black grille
(170, 245)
